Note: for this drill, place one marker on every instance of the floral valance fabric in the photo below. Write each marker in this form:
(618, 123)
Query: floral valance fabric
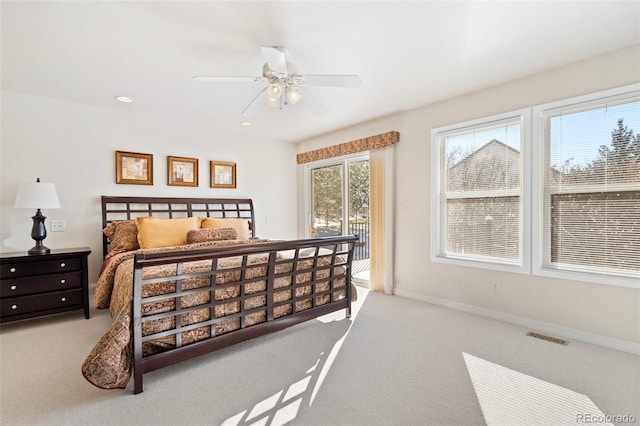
(365, 144)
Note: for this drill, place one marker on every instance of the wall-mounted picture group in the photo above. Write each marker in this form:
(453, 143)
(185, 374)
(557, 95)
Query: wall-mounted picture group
(137, 168)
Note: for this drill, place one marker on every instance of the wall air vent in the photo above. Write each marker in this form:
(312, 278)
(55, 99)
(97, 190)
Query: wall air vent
(547, 338)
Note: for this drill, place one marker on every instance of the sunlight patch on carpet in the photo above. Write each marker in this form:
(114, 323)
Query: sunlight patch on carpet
(510, 397)
(336, 348)
(282, 407)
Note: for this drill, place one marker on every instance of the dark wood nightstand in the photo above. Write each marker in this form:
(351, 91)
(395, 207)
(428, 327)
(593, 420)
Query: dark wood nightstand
(35, 285)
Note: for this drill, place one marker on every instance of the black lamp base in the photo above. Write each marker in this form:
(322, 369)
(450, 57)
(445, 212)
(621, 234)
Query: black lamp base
(38, 233)
(39, 250)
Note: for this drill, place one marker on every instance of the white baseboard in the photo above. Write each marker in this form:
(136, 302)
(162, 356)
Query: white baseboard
(554, 329)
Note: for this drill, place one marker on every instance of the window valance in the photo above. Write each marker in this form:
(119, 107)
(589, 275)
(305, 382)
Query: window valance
(365, 144)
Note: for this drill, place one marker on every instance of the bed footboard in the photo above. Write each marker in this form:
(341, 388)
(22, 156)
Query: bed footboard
(188, 303)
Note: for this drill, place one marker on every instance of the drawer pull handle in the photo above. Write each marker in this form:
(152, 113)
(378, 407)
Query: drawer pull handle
(13, 287)
(14, 306)
(12, 270)
(62, 265)
(64, 299)
(63, 281)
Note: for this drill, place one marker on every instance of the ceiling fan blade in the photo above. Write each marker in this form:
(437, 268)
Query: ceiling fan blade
(331, 80)
(276, 58)
(250, 109)
(312, 103)
(224, 78)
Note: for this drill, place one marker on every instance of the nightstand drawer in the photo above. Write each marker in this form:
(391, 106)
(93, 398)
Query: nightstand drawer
(37, 267)
(22, 269)
(40, 302)
(38, 284)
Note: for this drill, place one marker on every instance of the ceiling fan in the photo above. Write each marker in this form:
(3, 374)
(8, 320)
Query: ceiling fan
(284, 86)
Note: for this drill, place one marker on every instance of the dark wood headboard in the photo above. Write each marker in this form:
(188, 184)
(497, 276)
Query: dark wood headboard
(126, 208)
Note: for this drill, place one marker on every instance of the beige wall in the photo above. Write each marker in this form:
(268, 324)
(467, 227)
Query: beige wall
(74, 146)
(604, 310)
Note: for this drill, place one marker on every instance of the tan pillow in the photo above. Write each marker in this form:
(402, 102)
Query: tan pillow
(211, 234)
(243, 226)
(123, 236)
(154, 232)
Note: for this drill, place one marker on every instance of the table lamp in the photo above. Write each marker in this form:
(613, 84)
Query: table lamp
(37, 195)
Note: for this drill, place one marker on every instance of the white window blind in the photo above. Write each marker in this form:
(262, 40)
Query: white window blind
(481, 192)
(592, 186)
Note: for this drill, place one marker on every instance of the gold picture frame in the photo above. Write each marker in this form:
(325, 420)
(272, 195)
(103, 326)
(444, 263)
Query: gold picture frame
(223, 174)
(182, 171)
(134, 168)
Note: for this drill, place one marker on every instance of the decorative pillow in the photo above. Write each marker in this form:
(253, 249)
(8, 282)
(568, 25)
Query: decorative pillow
(123, 236)
(211, 234)
(243, 226)
(154, 232)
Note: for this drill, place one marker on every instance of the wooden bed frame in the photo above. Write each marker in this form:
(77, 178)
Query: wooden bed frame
(338, 249)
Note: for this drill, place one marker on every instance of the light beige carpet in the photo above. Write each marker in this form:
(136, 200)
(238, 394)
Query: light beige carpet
(396, 362)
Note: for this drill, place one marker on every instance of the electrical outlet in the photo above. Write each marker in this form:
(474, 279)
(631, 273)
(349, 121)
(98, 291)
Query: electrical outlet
(495, 287)
(58, 225)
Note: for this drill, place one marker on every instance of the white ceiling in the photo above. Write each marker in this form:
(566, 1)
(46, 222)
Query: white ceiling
(408, 54)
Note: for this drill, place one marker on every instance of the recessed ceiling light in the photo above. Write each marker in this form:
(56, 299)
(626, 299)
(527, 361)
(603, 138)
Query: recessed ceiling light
(125, 99)
(246, 123)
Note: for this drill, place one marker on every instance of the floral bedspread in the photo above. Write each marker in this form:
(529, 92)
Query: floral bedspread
(110, 363)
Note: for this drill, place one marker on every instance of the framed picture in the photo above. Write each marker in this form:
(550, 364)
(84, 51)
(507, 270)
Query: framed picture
(223, 174)
(182, 171)
(134, 167)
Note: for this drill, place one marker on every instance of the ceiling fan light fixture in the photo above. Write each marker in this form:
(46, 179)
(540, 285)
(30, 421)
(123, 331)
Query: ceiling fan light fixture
(283, 86)
(274, 92)
(273, 103)
(293, 94)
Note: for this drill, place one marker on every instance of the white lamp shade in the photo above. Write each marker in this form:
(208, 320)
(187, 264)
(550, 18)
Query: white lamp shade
(37, 195)
(294, 95)
(274, 92)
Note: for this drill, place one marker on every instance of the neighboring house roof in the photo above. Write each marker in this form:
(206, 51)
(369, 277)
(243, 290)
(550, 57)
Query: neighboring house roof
(495, 165)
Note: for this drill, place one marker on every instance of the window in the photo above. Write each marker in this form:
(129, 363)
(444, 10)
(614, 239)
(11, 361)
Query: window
(590, 174)
(568, 203)
(479, 204)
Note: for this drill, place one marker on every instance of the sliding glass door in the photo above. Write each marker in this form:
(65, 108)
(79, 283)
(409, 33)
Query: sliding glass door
(327, 196)
(339, 203)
